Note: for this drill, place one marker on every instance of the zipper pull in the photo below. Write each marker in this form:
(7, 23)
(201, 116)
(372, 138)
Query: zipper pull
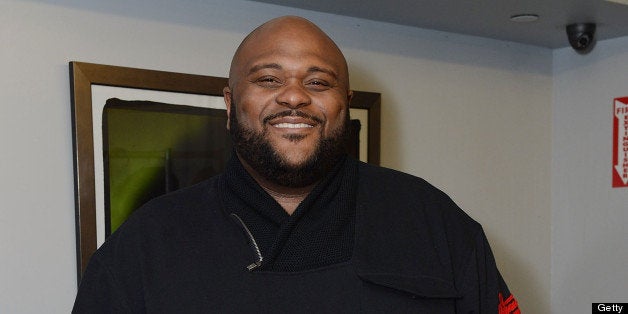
(254, 265)
(258, 263)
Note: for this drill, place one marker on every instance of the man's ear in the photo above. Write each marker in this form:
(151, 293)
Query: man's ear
(227, 96)
(349, 96)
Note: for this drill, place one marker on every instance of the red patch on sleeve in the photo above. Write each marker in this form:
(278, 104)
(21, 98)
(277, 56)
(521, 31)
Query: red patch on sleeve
(508, 306)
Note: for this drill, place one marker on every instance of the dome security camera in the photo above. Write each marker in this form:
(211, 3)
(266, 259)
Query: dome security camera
(581, 36)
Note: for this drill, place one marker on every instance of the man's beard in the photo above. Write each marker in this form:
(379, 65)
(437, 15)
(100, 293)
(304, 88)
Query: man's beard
(258, 152)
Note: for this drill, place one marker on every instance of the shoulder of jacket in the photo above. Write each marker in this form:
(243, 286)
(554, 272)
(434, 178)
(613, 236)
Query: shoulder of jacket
(180, 209)
(405, 195)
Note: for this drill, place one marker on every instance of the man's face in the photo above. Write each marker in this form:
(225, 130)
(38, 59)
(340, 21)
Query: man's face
(289, 89)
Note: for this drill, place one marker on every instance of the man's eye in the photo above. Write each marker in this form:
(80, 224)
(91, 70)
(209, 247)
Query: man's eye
(268, 81)
(318, 84)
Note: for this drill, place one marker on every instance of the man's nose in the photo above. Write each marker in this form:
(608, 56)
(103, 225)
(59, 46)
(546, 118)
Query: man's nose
(294, 96)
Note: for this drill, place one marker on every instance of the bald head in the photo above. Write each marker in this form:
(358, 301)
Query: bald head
(287, 34)
(288, 104)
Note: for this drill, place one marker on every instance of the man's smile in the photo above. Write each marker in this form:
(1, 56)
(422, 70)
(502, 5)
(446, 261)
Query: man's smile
(293, 121)
(292, 125)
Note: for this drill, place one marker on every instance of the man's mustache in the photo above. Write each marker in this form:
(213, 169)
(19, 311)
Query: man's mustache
(293, 113)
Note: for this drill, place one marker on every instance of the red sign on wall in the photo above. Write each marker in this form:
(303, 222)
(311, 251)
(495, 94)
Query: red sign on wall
(620, 142)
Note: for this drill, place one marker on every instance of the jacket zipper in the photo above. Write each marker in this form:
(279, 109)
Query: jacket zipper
(253, 243)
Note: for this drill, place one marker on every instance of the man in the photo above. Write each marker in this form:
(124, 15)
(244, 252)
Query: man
(293, 225)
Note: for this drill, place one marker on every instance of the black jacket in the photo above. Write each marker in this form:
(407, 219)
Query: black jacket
(414, 251)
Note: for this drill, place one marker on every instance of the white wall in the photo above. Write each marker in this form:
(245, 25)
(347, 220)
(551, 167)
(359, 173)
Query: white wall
(471, 115)
(589, 249)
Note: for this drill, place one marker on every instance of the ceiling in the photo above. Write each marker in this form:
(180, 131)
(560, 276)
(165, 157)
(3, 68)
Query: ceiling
(486, 18)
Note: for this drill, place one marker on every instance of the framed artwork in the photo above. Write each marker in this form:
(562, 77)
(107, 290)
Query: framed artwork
(141, 133)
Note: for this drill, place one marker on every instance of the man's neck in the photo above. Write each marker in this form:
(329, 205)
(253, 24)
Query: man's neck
(289, 202)
(288, 197)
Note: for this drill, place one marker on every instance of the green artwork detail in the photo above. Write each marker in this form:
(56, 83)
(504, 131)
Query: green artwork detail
(151, 149)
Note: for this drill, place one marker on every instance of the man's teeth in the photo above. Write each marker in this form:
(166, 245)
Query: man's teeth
(292, 125)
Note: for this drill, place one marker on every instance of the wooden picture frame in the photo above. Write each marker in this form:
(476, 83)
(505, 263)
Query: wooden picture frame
(84, 77)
